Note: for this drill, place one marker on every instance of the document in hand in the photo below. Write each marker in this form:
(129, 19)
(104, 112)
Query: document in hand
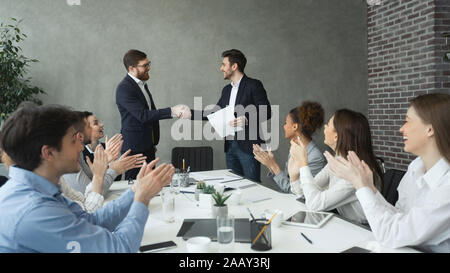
(220, 121)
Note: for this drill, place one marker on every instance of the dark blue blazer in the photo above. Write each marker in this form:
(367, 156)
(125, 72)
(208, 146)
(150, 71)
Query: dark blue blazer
(251, 92)
(138, 119)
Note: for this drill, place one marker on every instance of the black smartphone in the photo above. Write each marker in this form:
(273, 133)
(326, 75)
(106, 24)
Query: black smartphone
(158, 246)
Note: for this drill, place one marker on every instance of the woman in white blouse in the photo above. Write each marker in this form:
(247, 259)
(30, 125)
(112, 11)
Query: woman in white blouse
(93, 197)
(346, 130)
(421, 216)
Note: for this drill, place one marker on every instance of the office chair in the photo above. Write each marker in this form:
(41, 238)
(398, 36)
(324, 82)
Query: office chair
(3, 180)
(391, 179)
(198, 158)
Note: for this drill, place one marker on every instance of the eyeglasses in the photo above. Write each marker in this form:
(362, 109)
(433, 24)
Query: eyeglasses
(144, 65)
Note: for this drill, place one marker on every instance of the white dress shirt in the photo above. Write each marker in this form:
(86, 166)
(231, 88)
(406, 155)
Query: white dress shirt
(141, 86)
(421, 216)
(234, 91)
(89, 202)
(326, 192)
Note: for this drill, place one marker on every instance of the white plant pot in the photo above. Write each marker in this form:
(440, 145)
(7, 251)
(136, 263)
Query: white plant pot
(219, 211)
(205, 201)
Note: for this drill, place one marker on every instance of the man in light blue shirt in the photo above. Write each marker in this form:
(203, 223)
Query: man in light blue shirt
(44, 143)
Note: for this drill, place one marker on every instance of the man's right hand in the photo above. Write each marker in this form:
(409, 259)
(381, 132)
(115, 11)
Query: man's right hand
(150, 182)
(181, 111)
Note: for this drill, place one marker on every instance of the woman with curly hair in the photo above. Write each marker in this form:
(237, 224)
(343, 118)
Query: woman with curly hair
(301, 122)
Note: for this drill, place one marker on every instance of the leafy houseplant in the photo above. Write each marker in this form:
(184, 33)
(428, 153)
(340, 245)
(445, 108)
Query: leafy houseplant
(220, 208)
(199, 189)
(209, 190)
(220, 199)
(14, 85)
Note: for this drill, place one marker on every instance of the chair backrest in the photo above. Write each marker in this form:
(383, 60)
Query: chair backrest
(198, 158)
(391, 179)
(3, 180)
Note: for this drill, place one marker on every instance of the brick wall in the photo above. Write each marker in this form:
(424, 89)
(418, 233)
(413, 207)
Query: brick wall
(405, 59)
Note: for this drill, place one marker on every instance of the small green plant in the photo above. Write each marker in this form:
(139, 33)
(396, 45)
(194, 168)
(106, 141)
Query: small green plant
(220, 198)
(209, 190)
(201, 185)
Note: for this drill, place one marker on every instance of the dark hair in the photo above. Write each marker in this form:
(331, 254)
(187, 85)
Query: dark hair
(81, 122)
(132, 58)
(30, 127)
(309, 117)
(236, 56)
(353, 132)
(434, 109)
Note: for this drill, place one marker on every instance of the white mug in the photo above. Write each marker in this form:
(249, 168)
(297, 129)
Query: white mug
(235, 198)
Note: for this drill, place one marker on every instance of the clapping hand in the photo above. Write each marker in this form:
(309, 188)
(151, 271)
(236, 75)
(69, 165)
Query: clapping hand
(100, 164)
(293, 169)
(354, 170)
(265, 158)
(113, 147)
(298, 152)
(98, 168)
(150, 182)
(127, 162)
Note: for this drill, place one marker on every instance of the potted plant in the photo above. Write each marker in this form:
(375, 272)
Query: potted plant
(205, 198)
(199, 189)
(220, 208)
(14, 85)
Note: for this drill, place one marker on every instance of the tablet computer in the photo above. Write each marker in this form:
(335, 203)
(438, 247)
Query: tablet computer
(308, 219)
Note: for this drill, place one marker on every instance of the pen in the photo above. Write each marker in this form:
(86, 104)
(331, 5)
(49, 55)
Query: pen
(210, 179)
(306, 238)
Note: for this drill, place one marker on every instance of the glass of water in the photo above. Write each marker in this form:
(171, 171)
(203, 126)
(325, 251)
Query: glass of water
(225, 233)
(175, 184)
(168, 205)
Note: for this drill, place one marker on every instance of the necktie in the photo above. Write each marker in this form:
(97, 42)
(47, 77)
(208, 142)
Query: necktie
(150, 97)
(152, 108)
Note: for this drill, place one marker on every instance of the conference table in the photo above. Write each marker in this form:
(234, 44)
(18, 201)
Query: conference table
(334, 236)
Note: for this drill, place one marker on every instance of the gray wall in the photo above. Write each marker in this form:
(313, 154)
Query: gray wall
(299, 49)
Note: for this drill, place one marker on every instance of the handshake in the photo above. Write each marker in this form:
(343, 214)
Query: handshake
(181, 111)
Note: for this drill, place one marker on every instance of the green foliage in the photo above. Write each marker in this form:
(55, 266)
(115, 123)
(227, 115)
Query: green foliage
(209, 190)
(201, 185)
(14, 85)
(220, 198)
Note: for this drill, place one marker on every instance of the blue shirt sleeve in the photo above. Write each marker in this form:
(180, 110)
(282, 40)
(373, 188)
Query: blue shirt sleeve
(55, 227)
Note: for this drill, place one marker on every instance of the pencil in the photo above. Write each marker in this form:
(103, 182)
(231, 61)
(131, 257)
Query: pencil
(264, 228)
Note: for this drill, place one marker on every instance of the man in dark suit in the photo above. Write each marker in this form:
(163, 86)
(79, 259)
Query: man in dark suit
(138, 112)
(251, 107)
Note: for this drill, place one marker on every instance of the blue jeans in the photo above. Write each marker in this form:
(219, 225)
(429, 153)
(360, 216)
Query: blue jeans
(242, 163)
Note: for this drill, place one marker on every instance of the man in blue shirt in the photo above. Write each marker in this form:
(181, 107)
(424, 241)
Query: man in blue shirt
(44, 143)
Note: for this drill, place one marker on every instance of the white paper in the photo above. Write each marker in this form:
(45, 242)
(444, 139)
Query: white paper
(220, 121)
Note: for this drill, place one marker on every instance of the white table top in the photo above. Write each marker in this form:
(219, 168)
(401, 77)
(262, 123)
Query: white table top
(335, 236)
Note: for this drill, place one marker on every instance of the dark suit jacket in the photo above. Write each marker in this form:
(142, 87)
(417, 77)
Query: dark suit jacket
(251, 92)
(138, 118)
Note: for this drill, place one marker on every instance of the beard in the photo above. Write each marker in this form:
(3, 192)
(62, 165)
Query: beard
(143, 76)
(227, 75)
